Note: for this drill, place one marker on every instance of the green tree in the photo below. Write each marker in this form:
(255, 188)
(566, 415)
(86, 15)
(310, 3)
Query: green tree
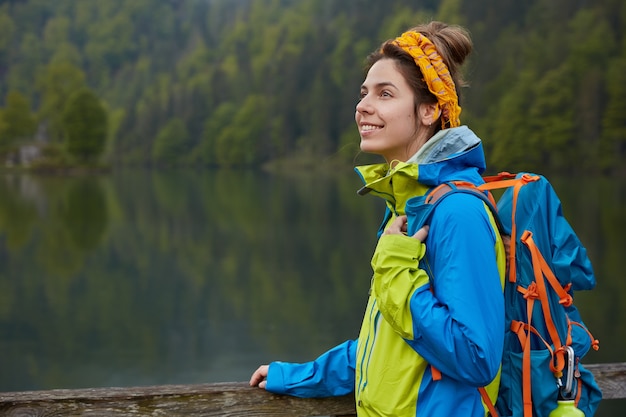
(511, 141)
(171, 144)
(240, 143)
(613, 139)
(110, 43)
(7, 30)
(66, 52)
(56, 32)
(85, 124)
(205, 151)
(16, 119)
(7, 33)
(56, 84)
(551, 118)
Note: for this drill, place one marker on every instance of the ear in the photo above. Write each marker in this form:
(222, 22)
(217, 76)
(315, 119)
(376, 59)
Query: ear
(429, 113)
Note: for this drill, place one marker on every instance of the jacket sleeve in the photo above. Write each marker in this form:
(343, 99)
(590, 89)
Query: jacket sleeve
(396, 277)
(331, 374)
(459, 326)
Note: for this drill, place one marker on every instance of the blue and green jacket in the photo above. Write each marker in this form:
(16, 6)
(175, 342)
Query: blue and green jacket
(434, 308)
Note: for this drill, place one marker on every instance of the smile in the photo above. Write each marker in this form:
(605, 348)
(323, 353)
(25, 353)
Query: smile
(369, 128)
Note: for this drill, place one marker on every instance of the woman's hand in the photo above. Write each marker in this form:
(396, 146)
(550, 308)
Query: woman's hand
(259, 377)
(399, 227)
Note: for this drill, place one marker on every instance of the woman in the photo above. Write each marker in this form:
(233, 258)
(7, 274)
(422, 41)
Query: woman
(434, 324)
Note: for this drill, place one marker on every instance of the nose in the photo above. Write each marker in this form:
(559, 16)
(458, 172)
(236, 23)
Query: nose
(363, 105)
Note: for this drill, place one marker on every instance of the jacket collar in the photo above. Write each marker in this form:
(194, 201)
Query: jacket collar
(452, 154)
(394, 184)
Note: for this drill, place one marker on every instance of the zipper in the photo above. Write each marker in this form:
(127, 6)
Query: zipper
(374, 323)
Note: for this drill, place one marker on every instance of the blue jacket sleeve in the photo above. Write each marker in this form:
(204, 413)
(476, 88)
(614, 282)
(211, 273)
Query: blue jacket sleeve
(331, 374)
(459, 324)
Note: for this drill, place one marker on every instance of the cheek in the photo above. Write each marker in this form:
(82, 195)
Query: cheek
(405, 121)
(411, 121)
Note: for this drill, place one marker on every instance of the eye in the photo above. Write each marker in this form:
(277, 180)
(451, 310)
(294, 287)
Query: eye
(362, 95)
(385, 93)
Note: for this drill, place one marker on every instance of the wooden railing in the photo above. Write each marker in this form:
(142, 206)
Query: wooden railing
(218, 399)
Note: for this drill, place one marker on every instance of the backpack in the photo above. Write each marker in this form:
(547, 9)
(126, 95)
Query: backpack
(545, 336)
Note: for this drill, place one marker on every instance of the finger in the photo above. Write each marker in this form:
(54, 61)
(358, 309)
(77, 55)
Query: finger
(263, 384)
(254, 380)
(400, 221)
(396, 226)
(421, 234)
(258, 376)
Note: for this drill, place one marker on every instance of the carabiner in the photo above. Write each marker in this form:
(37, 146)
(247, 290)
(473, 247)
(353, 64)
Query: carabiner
(569, 379)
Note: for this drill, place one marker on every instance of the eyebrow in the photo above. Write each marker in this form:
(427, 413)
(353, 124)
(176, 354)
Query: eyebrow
(381, 84)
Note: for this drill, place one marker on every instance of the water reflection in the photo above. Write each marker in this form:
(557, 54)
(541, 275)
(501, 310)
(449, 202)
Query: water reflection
(142, 277)
(149, 278)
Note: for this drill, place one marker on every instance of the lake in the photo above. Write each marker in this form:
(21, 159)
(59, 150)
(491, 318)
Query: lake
(144, 277)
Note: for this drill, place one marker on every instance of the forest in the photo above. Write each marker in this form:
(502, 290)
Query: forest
(246, 83)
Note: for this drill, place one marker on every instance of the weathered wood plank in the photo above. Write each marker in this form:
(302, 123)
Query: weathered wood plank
(611, 378)
(219, 399)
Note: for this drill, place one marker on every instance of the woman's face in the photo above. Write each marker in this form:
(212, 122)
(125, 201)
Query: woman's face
(385, 114)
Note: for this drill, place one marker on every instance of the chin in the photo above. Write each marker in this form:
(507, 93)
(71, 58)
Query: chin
(368, 147)
(371, 150)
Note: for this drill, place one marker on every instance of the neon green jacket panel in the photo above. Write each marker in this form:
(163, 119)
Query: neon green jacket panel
(396, 368)
(396, 277)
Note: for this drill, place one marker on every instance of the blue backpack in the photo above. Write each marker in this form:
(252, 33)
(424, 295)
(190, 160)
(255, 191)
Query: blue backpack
(545, 337)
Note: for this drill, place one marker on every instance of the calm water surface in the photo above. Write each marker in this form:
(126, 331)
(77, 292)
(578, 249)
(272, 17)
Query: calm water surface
(142, 278)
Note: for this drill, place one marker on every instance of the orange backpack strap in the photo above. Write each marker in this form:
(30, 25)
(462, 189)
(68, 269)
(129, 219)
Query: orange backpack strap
(541, 270)
(468, 188)
(487, 402)
(523, 331)
(437, 192)
(530, 294)
(436, 373)
(595, 343)
(506, 180)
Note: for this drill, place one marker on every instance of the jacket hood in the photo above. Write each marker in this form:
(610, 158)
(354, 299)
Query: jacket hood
(452, 154)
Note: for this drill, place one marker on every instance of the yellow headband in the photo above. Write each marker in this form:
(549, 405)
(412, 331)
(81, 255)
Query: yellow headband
(435, 72)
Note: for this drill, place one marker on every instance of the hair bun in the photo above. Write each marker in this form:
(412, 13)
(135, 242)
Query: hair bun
(453, 43)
